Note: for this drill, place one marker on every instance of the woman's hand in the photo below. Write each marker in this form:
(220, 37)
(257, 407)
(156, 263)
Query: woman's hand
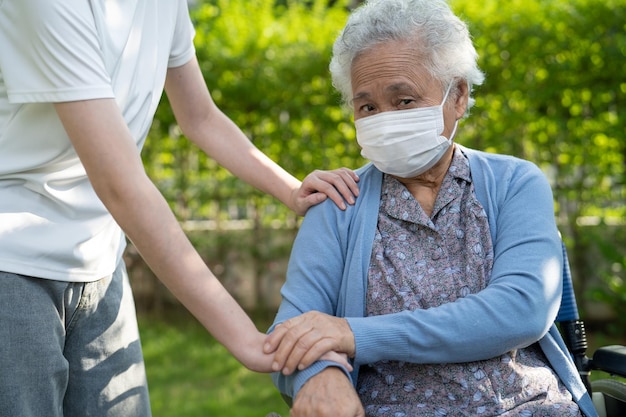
(328, 394)
(340, 185)
(338, 358)
(302, 340)
(250, 354)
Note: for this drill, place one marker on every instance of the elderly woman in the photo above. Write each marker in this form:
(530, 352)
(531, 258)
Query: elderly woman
(443, 281)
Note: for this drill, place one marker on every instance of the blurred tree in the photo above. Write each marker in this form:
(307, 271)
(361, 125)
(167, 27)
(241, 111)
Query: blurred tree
(267, 68)
(554, 94)
(266, 64)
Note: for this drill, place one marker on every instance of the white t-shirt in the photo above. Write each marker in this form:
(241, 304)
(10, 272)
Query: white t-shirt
(52, 224)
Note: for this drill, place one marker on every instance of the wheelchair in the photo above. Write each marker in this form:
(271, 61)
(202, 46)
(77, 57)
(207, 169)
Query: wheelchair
(608, 393)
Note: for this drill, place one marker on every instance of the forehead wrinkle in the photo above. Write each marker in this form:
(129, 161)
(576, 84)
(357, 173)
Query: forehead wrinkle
(388, 63)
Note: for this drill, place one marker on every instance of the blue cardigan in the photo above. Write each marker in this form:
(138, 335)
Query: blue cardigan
(328, 272)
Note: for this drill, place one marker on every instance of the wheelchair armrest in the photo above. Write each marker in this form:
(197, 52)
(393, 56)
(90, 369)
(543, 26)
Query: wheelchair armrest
(611, 359)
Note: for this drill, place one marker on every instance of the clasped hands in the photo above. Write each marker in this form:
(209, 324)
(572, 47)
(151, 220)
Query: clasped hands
(304, 339)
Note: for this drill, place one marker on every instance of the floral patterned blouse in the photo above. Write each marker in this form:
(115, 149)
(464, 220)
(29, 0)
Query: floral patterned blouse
(420, 262)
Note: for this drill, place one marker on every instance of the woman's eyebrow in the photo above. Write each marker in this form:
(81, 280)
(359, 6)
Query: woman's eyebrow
(361, 96)
(401, 87)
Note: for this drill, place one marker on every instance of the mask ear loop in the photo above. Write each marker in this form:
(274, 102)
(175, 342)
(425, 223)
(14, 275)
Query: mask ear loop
(456, 123)
(445, 96)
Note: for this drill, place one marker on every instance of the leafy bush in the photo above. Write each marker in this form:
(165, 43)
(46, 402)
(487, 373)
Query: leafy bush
(554, 94)
(266, 67)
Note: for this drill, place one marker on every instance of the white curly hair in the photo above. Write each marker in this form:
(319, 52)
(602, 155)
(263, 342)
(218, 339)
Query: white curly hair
(442, 39)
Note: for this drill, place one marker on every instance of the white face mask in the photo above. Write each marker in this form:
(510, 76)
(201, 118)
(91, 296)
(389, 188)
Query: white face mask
(404, 143)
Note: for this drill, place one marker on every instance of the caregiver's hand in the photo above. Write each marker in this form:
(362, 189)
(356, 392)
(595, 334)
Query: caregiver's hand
(300, 341)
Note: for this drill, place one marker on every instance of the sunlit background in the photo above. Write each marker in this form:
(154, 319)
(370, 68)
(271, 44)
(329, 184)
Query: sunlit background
(555, 93)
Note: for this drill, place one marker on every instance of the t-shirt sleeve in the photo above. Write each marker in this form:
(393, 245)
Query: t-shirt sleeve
(51, 52)
(182, 45)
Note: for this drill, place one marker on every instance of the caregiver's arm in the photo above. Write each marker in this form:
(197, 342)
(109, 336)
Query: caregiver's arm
(207, 126)
(112, 162)
(313, 286)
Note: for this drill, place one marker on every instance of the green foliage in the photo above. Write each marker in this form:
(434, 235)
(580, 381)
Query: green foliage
(267, 70)
(555, 94)
(271, 77)
(611, 291)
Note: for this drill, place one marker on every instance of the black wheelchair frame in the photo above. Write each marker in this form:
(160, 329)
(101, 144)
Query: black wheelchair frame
(608, 394)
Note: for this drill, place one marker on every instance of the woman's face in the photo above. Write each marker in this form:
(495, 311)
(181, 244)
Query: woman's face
(388, 77)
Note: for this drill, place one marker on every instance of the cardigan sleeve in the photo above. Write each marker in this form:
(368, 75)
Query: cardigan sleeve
(516, 308)
(328, 266)
(314, 278)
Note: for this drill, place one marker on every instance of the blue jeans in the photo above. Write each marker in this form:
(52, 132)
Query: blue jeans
(70, 349)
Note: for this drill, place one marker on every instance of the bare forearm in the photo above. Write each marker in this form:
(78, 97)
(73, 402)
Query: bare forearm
(232, 150)
(165, 248)
(167, 251)
(329, 393)
(205, 124)
(218, 136)
(114, 168)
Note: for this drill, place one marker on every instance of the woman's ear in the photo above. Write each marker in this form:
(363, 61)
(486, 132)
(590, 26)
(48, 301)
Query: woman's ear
(462, 98)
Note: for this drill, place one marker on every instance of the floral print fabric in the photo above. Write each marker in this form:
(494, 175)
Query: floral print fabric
(421, 262)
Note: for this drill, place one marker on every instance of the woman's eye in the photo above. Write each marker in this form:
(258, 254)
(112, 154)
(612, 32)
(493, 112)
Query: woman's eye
(367, 108)
(406, 101)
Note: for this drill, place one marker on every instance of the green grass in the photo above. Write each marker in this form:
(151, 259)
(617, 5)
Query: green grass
(191, 375)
